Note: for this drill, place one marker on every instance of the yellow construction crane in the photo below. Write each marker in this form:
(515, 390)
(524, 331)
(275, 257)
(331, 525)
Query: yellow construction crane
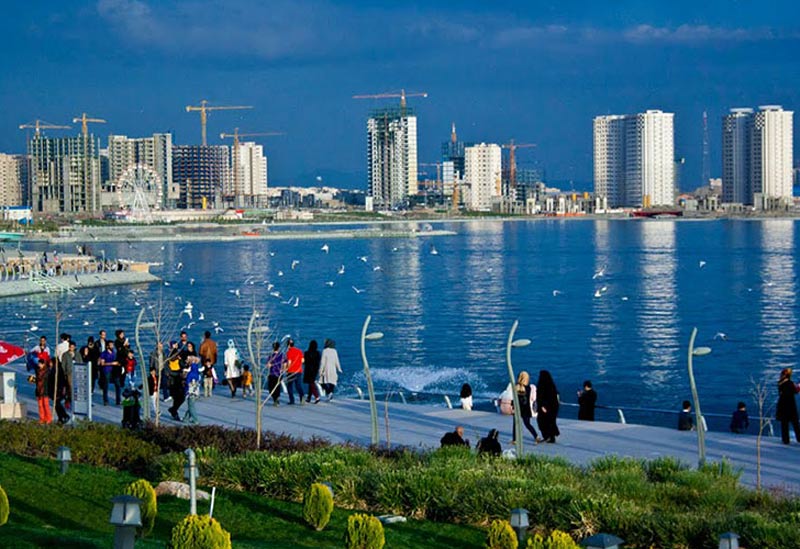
(84, 120)
(237, 184)
(39, 125)
(512, 161)
(204, 109)
(401, 94)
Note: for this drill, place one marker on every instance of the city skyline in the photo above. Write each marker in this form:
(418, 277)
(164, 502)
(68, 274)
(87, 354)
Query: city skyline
(535, 73)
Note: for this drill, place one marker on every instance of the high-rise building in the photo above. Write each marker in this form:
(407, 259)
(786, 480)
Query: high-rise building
(148, 158)
(392, 157)
(737, 129)
(634, 164)
(757, 156)
(482, 176)
(453, 151)
(201, 172)
(252, 174)
(11, 179)
(64, 174)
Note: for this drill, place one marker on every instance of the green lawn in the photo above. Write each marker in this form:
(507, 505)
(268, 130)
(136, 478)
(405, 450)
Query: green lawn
(72, 511)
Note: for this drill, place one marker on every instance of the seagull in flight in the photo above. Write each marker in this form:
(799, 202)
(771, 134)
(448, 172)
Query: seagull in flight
(191, 282)
(721, 335)
(702, 264)
(295, 263)
(113, 310)
(356, 290)
(556, 293)
(329, 283)
(601, 272)
(341, 270)
(201, 316)
(296, 302)
(187, 310)
(280, 273)
(377, 268)
(363, 258)
(325, 248)
(434, 251)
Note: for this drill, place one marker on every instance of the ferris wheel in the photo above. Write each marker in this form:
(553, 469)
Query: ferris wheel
(139, 192)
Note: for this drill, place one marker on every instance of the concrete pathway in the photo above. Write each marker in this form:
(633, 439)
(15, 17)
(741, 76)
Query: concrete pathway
(422, 426)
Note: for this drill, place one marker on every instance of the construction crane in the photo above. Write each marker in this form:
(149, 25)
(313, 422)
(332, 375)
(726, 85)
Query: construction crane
(237, 184)
(39, 125)
(388, 95)
(512, 161)
(85, 120)
(204, 109)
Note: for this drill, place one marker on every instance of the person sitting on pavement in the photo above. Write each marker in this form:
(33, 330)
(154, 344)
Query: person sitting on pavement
(489, 445)
(739, 420)
(685, 421)
(455, 438)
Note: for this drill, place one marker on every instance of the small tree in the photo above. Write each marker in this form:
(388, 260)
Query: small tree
(364, 532)
(4, 507)
(760, 391)
(556, 540)
(501, 536)
(200, 532)
(318, 506)
(144, 491)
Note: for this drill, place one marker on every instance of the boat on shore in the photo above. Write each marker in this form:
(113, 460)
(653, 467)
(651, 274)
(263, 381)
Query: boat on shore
(10, 237)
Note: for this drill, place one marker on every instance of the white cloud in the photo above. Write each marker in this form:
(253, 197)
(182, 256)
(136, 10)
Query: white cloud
(693, 34)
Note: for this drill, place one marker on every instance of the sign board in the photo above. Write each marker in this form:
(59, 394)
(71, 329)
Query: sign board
(82, 389)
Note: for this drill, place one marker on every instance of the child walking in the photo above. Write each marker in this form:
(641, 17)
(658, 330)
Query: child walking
(209, 377)
(247, 381)
(192, 384)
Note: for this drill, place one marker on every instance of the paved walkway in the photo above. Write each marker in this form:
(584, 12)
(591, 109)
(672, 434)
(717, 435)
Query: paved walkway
(423, 425)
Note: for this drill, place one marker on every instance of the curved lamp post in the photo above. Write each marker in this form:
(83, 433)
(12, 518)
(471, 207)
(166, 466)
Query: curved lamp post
(517, 416)
(373, 406)
(142, 365)
(701, 435)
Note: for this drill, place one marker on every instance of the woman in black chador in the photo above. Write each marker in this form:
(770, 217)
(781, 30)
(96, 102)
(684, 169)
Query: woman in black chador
(547, 404)
(786, 411)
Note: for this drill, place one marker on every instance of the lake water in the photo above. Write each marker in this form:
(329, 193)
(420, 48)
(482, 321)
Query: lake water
(446, 316)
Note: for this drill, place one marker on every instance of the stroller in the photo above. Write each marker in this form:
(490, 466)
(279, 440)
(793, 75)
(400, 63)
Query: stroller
(131, 409)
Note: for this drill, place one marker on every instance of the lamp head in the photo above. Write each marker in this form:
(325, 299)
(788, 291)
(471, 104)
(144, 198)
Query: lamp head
(521, 343)
(147, 325)
(374, 336)
(126, 511)
(701, 351)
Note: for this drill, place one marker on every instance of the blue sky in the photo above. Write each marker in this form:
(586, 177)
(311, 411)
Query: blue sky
(533, 71)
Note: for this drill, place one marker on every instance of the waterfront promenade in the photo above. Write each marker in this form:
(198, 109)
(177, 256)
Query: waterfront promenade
(421, 426)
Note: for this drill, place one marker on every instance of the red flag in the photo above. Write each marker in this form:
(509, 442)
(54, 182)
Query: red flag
(9, 353)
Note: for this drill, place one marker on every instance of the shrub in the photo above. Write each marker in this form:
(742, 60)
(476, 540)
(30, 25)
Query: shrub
(501, 536)
(144, 491)
(199, 532)
(363, 532)
(4, 508)
(556, 540)
(318, 506)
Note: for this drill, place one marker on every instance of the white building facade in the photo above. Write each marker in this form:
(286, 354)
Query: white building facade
(391, 158)
(252, 173)
(757, 159)
(482, 176)
(634, 159)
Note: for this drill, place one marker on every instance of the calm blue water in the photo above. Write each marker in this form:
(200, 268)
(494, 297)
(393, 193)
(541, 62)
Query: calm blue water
(446, 317)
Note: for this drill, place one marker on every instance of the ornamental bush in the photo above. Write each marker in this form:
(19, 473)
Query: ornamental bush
(501, 536)
(556, 540)
(199, 532)
(318, 506)
(363, 532)
(144, 491)
(4, 508)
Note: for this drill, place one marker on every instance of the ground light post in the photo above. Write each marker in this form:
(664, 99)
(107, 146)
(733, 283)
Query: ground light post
(517, 416)
(699, 427)
(258, 370)
(373, 406)
(143, 368)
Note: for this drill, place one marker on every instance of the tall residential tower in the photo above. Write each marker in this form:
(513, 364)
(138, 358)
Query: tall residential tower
(392, 157)
(634, 159)
(757, 156)
(482, 176)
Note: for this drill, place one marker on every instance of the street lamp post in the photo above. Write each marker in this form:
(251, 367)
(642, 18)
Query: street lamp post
(142, 366)
(517, 416)
(373, 406)
(701, 435)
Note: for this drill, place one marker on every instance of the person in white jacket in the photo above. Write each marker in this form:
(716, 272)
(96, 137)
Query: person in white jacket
(329, 368)
(233, 372)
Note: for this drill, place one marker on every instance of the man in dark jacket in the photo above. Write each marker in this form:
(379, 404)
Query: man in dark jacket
(586, 402)
(490, 445)
(456, 438)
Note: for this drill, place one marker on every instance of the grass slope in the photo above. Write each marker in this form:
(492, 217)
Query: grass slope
(72, 511)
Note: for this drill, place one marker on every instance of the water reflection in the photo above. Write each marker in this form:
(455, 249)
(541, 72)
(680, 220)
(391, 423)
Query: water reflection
(777, 312)
(657, 311)
(602, 320)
